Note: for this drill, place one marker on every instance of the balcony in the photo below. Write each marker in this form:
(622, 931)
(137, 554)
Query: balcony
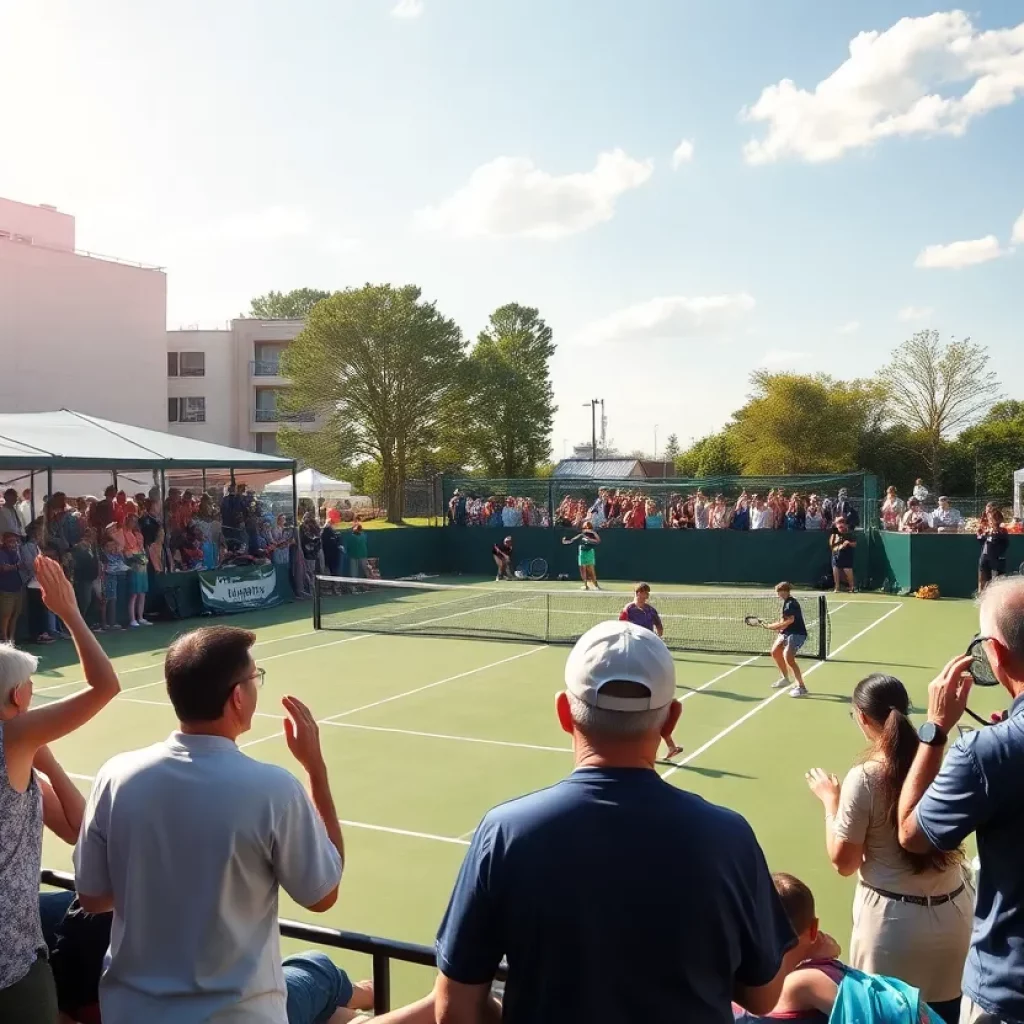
(280, 416)
(265, 368)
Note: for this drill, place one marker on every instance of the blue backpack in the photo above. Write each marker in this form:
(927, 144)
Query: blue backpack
(874, 999)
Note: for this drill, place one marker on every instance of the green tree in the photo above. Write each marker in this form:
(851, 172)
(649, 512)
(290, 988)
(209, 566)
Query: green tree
(379, 364)
(796, 423)
(509, 402)
(293, 305)
(714, 455)
(993, 449)
(938, 389)
(672, 449)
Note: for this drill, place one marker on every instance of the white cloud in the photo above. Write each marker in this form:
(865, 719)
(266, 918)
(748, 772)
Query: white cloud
(783, 357)
(908, 314)
(850, 327)
(407, 9)
(510, 197)
(1018, 231)
(272, 222)
(683, 154)
(923, 76)
(668, 319)
(342, 245)
(960, 254)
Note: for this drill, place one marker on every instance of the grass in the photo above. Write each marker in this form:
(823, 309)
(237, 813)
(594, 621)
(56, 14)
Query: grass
(383, 524)
(423, 735)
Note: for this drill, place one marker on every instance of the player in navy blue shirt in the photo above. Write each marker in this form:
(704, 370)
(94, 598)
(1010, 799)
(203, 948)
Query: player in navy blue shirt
(979, 788)
(792, 636)
(614, 896)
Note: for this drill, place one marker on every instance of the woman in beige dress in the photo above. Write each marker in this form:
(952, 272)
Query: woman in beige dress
(912, 913)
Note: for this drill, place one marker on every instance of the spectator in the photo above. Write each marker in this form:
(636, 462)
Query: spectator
(814, 518)
(511, 515)
(10, 520)
(979, 789)
(779, 506)
(309, 541)
(842, 543)
(915, 519)
(356, 552)
(137, 578)
(330, 543)
(920, 491)
(721, 514)
(189, 841)
(25, 508)
(911, 911)
(35, 791)
(796, 518)
(209, 531)
(283, 540)
(760, 514)
(120, 507)
(701, 511)
(526, 888)
(741, 513)
(992, 536)
(653, 519)
(635, 518)
(12, 589)
(155, 553)
(893, 509)
(41, 624)
(88, 589)
(62, 527)
(946, 519)
(114, 571)
(103, 512)
(845, 508)
(149, 521)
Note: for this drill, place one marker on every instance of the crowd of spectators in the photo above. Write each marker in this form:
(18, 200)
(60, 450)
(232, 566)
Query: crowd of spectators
(111, 548)
(632, 509)
(182, 848)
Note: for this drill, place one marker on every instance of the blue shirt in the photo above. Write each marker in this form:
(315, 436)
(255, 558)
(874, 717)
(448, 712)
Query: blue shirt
(616, 898)
(981, 789)
(791, 609)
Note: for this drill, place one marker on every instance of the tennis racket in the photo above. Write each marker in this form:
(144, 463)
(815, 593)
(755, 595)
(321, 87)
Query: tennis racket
(753, 620)
(538, 569)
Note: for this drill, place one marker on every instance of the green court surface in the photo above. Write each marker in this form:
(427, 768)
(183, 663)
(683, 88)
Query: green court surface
(423, 734)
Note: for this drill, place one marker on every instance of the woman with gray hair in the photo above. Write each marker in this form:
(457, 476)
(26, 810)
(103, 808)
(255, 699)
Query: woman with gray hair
(35, 791)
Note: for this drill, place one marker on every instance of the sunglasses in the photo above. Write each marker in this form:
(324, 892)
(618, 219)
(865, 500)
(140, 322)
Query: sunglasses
(980, 670)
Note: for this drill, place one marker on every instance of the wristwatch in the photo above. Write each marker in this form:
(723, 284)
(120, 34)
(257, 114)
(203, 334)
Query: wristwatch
(931, 735)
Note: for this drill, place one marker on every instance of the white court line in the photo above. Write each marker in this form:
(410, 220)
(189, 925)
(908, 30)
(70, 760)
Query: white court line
(775, 696)
(446, 736)
(350, 824)
(407, 693)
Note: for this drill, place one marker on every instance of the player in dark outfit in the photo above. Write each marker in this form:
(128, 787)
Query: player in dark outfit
(792, 636)
(641, 612)
(503, 559)
(994, 541)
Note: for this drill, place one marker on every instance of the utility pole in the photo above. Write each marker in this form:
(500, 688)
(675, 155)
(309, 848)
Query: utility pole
(593, 403)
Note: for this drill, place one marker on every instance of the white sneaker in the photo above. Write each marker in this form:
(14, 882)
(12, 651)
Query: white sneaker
(780, 683)
(145, 622)
(133, 624)
(798, 691)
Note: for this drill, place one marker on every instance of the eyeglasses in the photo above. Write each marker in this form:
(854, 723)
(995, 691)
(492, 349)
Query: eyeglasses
(259, 675)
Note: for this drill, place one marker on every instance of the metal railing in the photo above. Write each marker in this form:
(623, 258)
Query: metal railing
(380, 951)
(265, 368)
(279, 416)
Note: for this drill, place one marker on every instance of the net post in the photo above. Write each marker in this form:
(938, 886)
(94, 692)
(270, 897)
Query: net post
(316, 602)
(823, 627)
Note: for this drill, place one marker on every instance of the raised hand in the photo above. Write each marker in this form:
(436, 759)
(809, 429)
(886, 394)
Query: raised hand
(303, 735)
(825, 787)
(948, 692)
(58, 594)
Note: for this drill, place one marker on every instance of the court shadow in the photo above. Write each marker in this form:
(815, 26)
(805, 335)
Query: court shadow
(892, 664)
(713, 773)
(832, 698)
(744, 698)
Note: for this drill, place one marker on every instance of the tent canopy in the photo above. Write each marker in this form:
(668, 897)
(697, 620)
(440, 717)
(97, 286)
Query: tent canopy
(74, 441)
(310, 481)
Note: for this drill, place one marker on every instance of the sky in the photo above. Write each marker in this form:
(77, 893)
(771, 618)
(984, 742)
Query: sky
(687, 191)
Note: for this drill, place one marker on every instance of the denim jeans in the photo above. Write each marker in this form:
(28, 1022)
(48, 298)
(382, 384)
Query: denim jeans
(316, 988)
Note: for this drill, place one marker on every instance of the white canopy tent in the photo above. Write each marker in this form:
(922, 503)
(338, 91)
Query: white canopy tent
(311, 484)
(1018, 493)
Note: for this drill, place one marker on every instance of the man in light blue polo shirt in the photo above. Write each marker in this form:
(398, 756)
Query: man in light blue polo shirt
(614, 895)
(979, 789)
(188, 842)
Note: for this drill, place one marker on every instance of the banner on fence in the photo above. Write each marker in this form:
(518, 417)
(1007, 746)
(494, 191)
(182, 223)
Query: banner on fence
(240, 588)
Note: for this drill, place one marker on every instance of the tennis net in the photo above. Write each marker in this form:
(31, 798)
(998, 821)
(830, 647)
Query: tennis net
(510, 611)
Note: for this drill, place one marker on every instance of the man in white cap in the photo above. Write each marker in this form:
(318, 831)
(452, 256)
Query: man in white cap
(613, 895)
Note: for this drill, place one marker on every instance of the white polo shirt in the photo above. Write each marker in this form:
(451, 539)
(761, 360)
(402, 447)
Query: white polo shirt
(193, 838)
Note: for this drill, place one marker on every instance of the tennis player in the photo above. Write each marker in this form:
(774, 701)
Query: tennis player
(792, 636)
(503, 559)
(641, 612)
(587, 557)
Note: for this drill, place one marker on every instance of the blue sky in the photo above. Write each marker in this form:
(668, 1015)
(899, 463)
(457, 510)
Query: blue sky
(522, 150)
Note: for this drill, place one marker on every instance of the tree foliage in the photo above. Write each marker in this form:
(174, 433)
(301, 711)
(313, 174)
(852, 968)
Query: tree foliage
(293, 305)
(715, 455)
(508, 404)
(672, 449)
(795, 423)
(938, 389)
(379, 363)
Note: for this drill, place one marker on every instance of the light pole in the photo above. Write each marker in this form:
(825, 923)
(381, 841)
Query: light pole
(593, 403)
(655, 442)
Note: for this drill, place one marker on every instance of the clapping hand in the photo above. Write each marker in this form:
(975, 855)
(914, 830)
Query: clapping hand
(303, 735)
(825, 787)
(948, 692)
(58, 594)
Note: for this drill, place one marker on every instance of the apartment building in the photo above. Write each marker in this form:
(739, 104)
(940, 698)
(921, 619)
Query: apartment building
(224, 386)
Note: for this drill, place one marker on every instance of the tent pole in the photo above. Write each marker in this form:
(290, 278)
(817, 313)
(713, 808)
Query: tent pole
(295, 499)
(163, 506)
(49, 497)
(113, 474)
(204, 481)
(232, 476)
(32, 495)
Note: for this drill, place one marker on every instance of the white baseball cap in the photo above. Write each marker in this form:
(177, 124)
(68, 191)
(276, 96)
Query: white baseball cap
(621, 651)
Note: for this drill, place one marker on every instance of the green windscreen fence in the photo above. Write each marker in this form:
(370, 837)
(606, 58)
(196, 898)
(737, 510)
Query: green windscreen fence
(558, 501)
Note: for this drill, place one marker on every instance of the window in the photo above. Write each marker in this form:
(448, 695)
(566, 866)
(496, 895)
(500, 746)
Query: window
(266, 444)
(186, 410)
(186, 364)
(268, 359)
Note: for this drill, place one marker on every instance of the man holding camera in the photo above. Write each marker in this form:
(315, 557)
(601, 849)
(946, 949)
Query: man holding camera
(980, 789)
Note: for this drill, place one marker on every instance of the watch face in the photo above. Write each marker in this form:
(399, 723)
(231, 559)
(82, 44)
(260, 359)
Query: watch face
(928, 733)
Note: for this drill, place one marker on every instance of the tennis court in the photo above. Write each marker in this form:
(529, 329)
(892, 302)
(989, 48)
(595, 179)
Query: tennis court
(422, 734)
